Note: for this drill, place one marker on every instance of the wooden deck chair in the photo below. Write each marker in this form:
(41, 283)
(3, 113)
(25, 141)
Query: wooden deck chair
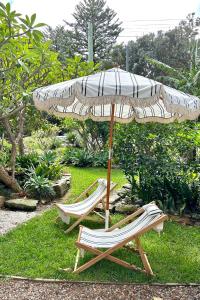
(112, 239)
(83, 208)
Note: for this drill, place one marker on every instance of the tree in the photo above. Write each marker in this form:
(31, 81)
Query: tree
(93, 135)
(172, 47)
(186, 79)
(25, 63)
(61, 40)
(117, 57)
(106, 28)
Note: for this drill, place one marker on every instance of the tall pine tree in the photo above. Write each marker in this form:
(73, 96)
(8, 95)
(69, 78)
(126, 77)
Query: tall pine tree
(106, 28)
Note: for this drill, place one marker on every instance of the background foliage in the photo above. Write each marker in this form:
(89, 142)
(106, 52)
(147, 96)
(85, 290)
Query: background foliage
(162, 163)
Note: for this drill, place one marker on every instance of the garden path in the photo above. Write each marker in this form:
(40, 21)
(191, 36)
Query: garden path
(23, 290)
(11, 219)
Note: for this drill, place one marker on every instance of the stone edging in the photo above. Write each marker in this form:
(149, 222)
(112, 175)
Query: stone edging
(46, 280)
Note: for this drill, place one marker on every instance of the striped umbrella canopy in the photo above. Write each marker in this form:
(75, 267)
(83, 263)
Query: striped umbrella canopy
(116, 95)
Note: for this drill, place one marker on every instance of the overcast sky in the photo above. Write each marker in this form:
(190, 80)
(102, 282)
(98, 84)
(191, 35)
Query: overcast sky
(138, 17)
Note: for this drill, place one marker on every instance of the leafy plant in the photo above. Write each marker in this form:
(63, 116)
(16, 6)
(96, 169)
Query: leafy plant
(26, 161)
(49, 157)
(46, 138)
(46, 165)
(85, 158)
(82, 158)
(51, 172)
(49, 166)
(39, 187)
(100, 159)
(162, 163)
(68, 154)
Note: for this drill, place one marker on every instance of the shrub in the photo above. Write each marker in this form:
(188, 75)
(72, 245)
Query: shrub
(5, 150)
(51, 172)
(68, 153)
(48, 157)
(26, 161)
(72, 138)
(85, 158)
(44, 139)
(100, 159)
(46, 165)
(39, 187)
(49, 166)
(82, 158)
(162, 163)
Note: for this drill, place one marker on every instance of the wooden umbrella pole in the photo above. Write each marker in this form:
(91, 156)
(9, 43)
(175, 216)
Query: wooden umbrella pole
(109, 165)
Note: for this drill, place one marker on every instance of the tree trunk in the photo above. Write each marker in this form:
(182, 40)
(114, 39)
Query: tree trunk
(19, 139)
(21, 146)
(9, 181)
(13, 158)
(2, 141)
(12, 140)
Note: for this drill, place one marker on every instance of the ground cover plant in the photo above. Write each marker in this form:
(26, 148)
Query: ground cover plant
(40, 247)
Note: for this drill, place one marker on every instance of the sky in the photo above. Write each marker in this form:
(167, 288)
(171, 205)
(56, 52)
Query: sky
(138, 17)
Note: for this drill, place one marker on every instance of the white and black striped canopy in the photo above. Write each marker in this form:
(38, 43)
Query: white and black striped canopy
(134, 96)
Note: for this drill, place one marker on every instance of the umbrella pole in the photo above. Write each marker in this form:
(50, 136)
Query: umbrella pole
(109, 166)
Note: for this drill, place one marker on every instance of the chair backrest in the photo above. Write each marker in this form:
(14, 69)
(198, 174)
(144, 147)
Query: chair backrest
(94, 197)
(149, 216)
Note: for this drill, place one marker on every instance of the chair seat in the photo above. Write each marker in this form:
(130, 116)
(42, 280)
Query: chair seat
(103, 239)
(82, 207)
(72, 209)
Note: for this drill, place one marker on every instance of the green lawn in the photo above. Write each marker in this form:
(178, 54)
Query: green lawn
(40, 247)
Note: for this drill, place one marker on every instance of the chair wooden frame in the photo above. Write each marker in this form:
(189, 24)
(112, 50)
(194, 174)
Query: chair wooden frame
(107, 254)
(85, 215)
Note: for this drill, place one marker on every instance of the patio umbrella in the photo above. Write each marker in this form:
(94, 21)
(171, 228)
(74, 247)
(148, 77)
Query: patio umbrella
(116, 95)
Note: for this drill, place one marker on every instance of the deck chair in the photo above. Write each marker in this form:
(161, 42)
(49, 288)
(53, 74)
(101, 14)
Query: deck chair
(112, 239)
(83, 208)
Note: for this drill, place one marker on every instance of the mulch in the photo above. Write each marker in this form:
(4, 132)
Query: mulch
(11, 289)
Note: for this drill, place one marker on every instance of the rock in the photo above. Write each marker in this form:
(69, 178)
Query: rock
(114, 198)
(2, 200)
(100, 207)
(62, 186)
(139, 202)
(22, 204)
(122, 192)
(127, 186)
(196, 217)
(127, 199)
(126, 208)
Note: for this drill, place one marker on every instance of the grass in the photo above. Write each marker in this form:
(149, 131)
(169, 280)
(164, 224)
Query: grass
(40, 247)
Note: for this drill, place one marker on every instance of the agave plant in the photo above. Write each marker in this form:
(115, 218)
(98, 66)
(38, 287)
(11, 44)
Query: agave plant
(39, 187)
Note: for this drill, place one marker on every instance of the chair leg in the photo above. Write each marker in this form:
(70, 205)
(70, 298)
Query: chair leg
(74, 224)
(77, 259)
(144, 258)
(57, 219)
(108, 257)
(98, 214)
